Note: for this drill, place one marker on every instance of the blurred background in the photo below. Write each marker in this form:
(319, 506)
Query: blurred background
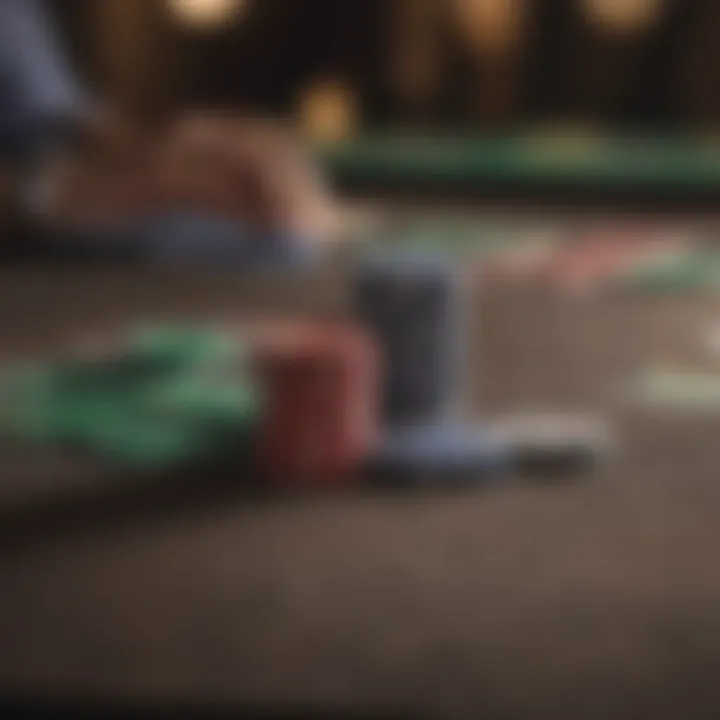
(588, 596)
(434, 63)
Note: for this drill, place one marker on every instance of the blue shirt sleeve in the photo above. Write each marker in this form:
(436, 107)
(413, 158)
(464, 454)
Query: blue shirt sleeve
(35, 76)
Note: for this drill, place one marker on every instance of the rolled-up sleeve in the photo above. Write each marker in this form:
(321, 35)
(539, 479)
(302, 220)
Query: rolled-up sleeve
(35, 73)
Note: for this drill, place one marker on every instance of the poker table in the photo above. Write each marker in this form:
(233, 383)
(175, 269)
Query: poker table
(594, 598)
(568, 163)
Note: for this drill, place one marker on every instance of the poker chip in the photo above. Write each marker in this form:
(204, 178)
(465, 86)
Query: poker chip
(321, 388)
(415, 305)
(152, 406)
(554, 443)
(439, 455)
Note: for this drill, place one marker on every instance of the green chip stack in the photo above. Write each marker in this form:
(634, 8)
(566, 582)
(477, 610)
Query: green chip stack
(171, 396)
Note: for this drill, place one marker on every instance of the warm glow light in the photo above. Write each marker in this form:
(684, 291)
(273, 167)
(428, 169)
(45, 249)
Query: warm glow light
(329, 111)
(490, 26)
(206, 13)
(623, 16)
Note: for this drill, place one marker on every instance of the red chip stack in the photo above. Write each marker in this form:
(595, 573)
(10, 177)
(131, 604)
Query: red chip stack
(321, 384)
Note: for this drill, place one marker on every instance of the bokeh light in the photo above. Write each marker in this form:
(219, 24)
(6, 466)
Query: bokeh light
(623, 16)
(204, 14)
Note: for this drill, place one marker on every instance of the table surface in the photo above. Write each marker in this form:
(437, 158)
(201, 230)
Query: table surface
(599, 598)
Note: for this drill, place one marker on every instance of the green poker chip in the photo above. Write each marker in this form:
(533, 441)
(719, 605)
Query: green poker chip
(174, 394)
(183, 347)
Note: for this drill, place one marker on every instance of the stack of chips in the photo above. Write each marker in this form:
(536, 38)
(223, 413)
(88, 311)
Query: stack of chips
(321, 416)
(416, 307)
(167, 398)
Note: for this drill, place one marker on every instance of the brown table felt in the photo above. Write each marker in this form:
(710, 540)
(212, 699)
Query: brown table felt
(599, 598)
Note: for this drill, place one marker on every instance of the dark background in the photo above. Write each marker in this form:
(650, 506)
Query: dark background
(668, 77)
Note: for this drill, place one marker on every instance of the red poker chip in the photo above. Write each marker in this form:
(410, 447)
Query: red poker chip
(321, 383)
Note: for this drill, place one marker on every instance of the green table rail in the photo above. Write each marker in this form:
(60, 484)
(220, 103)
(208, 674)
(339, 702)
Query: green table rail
(589, 162)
